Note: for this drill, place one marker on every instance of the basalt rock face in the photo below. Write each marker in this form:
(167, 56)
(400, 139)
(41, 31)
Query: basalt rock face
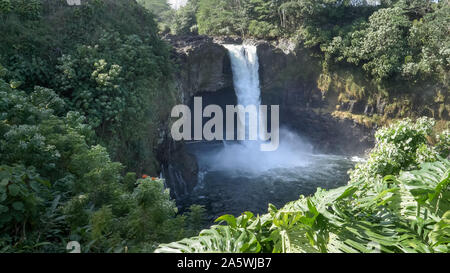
(329, 134)
(179, 168)
(288, 78)
(203, 65)
(203, 68)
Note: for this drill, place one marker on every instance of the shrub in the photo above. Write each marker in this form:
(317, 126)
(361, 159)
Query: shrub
(405, 211)
(443, 144)
(27, 9)
(21, 197)
(56, 183)
(401, 146)
(117, 83)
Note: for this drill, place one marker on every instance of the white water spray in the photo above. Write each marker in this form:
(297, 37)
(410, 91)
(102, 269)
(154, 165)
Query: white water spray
(245, 67)
(246, 156)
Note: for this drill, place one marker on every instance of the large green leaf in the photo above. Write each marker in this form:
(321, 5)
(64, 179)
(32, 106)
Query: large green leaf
(408, 213)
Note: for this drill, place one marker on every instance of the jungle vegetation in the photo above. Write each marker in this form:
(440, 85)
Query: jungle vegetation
(396, 50)
(86, 90)
(396, 202)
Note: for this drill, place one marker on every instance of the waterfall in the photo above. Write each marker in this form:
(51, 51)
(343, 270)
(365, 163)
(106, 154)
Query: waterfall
(245, 67)
(235, 157)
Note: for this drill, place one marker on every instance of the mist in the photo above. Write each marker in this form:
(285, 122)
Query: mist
(247, 157)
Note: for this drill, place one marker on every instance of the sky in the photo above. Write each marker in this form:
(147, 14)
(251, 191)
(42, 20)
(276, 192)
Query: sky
(176, 4)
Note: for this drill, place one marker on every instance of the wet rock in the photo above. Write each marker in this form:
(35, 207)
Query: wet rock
(228, 40)
(204, 65)
(289, 79)
(381, 105)
(180, 168)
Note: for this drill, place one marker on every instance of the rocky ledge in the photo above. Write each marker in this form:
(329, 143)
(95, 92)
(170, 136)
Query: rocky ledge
(288, 78)
(203, 65)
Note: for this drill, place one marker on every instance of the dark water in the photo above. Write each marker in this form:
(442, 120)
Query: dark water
(248, 185)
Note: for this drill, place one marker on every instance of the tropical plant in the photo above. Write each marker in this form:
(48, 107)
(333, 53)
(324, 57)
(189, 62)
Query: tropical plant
(404, 209)
(114, 72)
(56, 183)
(408, 213)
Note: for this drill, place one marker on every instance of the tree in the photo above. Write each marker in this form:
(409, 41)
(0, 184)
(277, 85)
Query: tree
(184, 20)
(222, 17)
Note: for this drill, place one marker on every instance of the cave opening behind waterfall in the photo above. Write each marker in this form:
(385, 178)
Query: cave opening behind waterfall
(236, 176)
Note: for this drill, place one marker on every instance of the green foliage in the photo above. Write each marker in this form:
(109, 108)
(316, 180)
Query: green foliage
(401, 46)
(5, 7)
(429, 39)
(195, 219)
(184, 20)
(154, 208)
(20, 199)
(401, 146)
(27, 9)
(236, 237)
(380, 45)
(177, 22)
(255, 18)
(443, 144)
(262, 29)
(155, 6)
(216, 17)
(117, 83)
(112, 71)
(404, 211)
(95, 68)
(162, 12)
(56, 184)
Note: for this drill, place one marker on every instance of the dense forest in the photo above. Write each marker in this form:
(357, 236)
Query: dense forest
(85, 92)
(365, 49)
(81, 91)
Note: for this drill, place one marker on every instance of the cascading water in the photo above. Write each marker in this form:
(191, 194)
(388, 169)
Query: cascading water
(237, 176)
(245, 67)
(246, 155)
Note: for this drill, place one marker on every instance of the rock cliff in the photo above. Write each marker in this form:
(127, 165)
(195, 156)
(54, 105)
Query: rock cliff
(288, 78)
